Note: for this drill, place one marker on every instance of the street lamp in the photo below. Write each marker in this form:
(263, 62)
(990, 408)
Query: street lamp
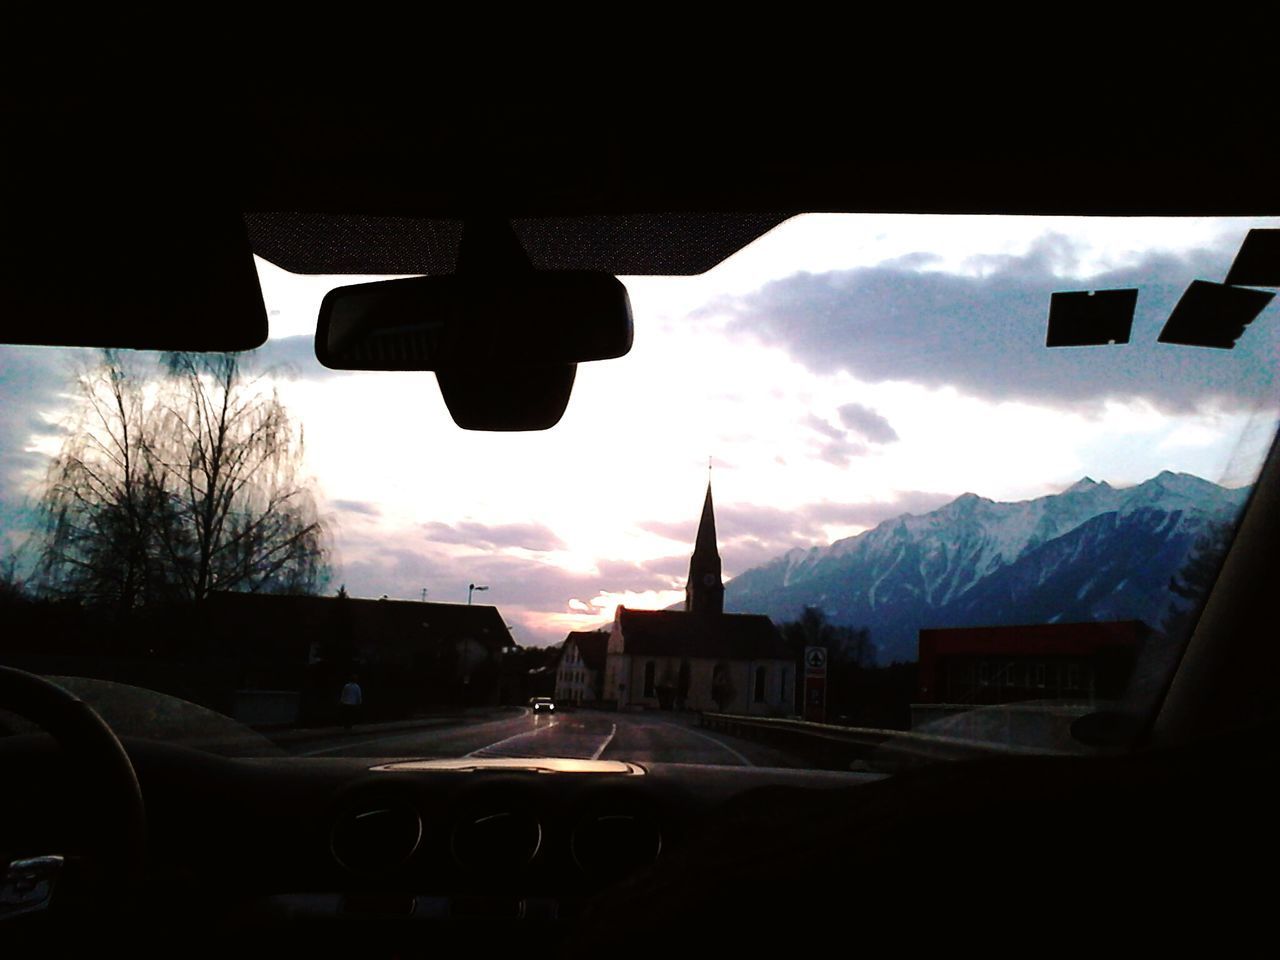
(472, 589)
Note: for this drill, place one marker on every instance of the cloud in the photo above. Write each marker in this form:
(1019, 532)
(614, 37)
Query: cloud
(527, 590)
(735, 520)
(293, 357)
(743, 553)
(984, 334)
(522, 589)
(868, 514)
(621, 570)
(752, 534)
(682, 531)
(33, 384)
(32, 381)
(532, 591)
(362, 507)
(839, 452)
(525, 536)
(835, 447)
(867, 422)
(669, 567)
(819, 425)
(759, 526)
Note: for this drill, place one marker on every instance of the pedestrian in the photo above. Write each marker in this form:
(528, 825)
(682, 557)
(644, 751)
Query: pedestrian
(350, 701)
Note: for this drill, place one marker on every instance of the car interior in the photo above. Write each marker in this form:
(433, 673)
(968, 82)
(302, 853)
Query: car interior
(512, 226)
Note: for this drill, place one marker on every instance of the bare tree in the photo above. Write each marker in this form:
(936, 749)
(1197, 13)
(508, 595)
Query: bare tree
(99, 504)
(177, 485)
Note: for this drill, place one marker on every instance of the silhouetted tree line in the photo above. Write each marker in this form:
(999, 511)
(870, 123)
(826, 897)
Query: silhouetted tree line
(528, 672)
(859, 693)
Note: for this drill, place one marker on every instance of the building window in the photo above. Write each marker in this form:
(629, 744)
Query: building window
(782, 689)
(1039, 674)
(650, 669)
(1073, 677)
(1010, 672)
(982, 674)
(760, 680)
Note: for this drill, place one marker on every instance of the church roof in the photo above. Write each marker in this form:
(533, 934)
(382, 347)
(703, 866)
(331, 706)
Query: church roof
(675, 633)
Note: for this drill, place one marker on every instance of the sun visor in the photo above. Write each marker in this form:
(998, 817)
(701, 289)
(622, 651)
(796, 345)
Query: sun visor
(672, 244)
(160, 278)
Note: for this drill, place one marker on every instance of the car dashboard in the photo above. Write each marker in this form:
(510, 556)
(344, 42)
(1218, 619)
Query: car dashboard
(389, 848)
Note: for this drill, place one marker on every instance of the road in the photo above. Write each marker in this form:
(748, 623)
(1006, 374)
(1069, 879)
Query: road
(580, 734)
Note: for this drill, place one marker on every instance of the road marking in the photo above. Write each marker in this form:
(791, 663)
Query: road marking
(402, 734)
(696, 733)
(488, 748)
(613, 728)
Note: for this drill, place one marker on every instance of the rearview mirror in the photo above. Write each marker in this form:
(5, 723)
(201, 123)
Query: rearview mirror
(468, 322)
(503, 339)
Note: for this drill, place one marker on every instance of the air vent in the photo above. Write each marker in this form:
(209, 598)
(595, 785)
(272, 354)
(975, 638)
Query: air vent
(377, 837)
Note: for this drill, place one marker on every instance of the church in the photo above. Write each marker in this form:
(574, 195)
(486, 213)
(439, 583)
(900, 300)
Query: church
(699, 658)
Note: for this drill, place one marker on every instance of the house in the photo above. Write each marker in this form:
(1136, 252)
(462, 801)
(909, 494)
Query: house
(581, 668)
(409, 655)
(699, 658)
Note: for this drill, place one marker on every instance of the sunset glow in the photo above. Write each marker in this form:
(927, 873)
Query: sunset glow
(781, 365)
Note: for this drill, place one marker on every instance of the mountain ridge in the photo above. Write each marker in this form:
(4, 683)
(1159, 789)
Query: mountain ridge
(929, 569)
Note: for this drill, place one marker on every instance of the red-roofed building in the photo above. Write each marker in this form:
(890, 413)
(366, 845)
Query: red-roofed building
(1047, 661)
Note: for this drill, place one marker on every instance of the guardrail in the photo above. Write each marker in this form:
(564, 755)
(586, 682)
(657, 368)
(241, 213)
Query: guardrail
(844, 748)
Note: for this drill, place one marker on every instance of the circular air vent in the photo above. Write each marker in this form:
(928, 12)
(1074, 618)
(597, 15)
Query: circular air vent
(376, 837)
(499, 841)
(610, 846)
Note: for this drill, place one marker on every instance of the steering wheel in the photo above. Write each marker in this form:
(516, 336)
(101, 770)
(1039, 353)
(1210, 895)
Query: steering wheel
(113, 816)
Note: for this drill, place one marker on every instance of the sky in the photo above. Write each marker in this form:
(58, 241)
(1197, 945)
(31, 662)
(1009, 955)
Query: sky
(840, 371)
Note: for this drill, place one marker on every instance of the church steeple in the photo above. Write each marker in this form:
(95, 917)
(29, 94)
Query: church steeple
(704, 592)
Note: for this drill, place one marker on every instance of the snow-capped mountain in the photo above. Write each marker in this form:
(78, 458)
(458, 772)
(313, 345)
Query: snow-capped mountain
(1093, 551)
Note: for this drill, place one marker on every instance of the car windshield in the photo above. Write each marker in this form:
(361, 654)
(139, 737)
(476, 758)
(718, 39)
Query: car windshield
(915, 485)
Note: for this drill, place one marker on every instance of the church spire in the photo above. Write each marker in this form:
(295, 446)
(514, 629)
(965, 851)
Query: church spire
(704, 592)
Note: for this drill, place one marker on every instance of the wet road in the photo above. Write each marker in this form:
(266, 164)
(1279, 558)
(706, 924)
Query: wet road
(579, 734)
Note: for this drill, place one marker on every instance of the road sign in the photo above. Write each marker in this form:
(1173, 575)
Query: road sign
(815, 699)
(815, 684)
